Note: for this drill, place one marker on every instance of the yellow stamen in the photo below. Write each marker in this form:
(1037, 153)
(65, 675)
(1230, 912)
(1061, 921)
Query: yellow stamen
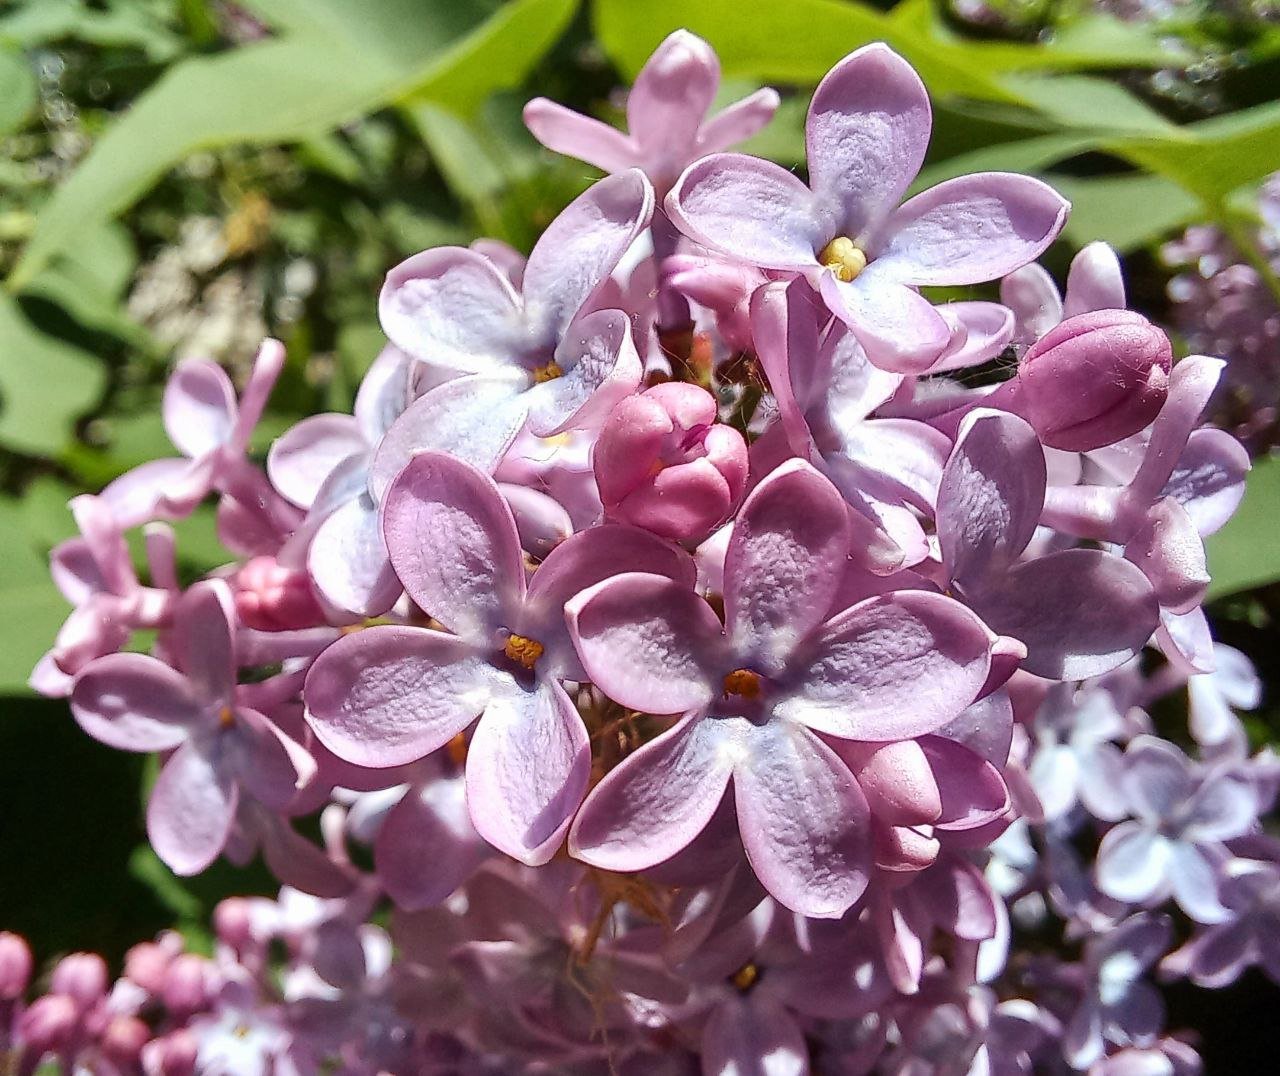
(745, 977)
(226, 717)
(843, 258)
(457, 750)
(525, 651)
(547, 372)
(743, 682)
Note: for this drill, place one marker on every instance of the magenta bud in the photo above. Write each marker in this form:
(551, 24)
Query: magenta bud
(122, 1041)
(187, 985)
(664, 463)
(48, 1025)
(233, 922)
(1094, 379)
(15, 966)
(270, 597)
(81, 977)
(146, 964)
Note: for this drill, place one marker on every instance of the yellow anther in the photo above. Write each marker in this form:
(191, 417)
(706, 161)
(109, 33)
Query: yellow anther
(457, 750)
(226, 717)
(525, 651)
(843, 258)
(745, 977)
(743, 682)
(548, 371)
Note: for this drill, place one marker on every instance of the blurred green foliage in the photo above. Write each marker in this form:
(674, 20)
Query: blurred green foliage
(187, 175)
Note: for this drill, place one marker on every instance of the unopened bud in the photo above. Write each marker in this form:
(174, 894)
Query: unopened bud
(271, 597)
(15, 966)
(81, 977)
(1095, 379)
(664, 463)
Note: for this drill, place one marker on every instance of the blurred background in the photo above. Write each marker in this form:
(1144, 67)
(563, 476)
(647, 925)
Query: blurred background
(183, 177)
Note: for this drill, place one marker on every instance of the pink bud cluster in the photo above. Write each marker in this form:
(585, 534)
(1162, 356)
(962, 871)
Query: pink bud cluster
(693, 650)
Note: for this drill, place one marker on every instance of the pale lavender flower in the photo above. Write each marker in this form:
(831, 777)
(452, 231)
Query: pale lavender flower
(867, 131)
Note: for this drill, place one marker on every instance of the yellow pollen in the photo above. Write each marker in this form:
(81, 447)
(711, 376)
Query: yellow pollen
(525, 651)
(226, 717)
(457, 750)
(843, 258)
(547, 372)
(745, 977)
(743, 682)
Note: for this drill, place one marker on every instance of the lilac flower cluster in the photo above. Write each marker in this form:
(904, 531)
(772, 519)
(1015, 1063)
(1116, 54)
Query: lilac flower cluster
(1224, 305)
(713, 677)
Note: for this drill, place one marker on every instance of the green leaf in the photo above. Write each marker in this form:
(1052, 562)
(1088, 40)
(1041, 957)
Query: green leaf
(1094, 104)
(45, 384)
(31, 609)
(352, 59)
(1214, 157)
(1108, 208)
(1024, 155)
(17, 90)
(1245, 553)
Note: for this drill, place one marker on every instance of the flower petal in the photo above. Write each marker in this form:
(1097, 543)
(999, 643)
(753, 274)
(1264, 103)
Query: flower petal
(189, 815)
(454, 545)
(648, 642)
(199, 407)
(804, 822)
(1132, 863)
(1095, 281)
(866, 135)
(348, 560)
(892, 667)
(1079, 612)
(388, 695)
(673, 92)
(739, 121)
(1034, 299)
(579, 249)
(970, 229)
(749, 209)
(657, 800)
(473, 418)
(899, 328)
(564, 131)
(202, 640)
(580, 562)
(600, 367)
(304, 456)
(134, 702)
(753, 1036)
(528, 765)
(790, 540)
(450, 307)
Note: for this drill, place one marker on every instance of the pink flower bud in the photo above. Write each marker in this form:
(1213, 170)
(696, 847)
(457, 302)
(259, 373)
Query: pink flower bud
(187, 985)
(663, 463)
(81, 977)
(233, 922)
(145, 964)
(270, 597)
(15, 966)
(1095, 379)
(48, 1025)
(122, 1042)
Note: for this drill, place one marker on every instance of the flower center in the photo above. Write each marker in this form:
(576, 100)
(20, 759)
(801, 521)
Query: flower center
(548, 371)
(745, 977)
(743, 682)
(226, 717)
(522, 650)
(843, 258)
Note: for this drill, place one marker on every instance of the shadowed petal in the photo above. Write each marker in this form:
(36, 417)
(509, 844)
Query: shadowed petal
(305, 455)
(348, 560)
(527, 770)
(657, 800)
(753, 1036)
(805, 824)
(427, 846)
(648, 642)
